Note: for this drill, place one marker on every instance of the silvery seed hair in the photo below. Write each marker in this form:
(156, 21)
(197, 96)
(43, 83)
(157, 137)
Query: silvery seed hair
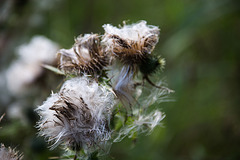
(78, 116)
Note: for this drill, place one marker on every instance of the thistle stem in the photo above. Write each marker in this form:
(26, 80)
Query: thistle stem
(160, 87)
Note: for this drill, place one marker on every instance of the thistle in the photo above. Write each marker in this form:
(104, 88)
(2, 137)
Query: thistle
(78, 116)
(9, 154)
(131, 45)
(85, 57)
(27, 67)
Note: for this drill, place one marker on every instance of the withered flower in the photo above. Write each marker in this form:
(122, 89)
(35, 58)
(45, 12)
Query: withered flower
(78, 116)
(131, 45)
(85, 57)
(9, 153)
(27, 68)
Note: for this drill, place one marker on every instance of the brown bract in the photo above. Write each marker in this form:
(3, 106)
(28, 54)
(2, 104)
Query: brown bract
(71, 113)
(130, 51)
(85, 57)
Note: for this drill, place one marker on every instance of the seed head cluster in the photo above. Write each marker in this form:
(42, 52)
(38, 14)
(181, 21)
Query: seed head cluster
(79, 115)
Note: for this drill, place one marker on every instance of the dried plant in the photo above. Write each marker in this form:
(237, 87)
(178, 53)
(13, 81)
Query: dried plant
(130, 43)
(9, 153)
(85, 57)
(78, 116)
(40, 50)
(132, 46)
(144, 123)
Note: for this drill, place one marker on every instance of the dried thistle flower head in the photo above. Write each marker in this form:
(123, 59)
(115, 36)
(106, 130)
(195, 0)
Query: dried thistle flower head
(85, 57)
(78, 116)
(130, 43)
(27, 67)
(9, 154)
(39, 50)
(20, 75)
(132, 46)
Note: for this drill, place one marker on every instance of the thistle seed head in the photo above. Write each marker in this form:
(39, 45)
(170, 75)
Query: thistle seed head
(39, 50)
(130, 43)
(85, 57)
(9, 153)
(27, 67)
(78, 116)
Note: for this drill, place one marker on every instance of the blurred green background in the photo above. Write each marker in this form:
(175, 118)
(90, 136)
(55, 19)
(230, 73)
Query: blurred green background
(200, 41)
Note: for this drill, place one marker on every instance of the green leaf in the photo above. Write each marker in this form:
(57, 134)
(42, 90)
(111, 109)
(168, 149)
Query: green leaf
(53, 69)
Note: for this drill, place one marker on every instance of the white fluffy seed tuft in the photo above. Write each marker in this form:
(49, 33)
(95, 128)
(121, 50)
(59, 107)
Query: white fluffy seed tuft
(78, 116)
(143, 124)
(133, 32)
(28, 67)
(132, 41)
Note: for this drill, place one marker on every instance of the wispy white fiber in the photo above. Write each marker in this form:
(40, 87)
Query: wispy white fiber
(157, 95)
(133, 31)
(137, 37)
(20, 74)
(143, 124)
(39, 50)
(78, 116)
(27, 67)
